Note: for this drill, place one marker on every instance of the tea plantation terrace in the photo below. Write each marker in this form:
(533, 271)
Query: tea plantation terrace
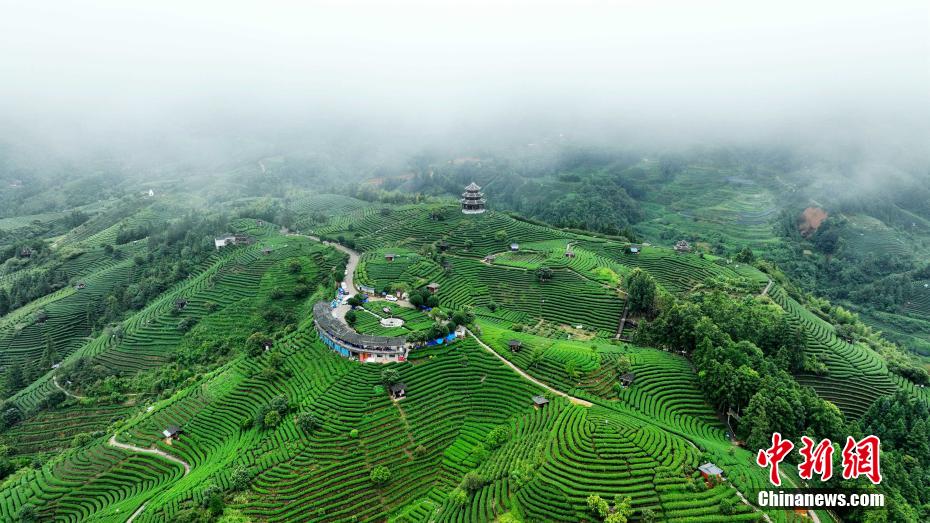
(350, 344)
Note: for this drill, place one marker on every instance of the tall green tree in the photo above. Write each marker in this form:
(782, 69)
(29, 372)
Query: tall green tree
(641, 289)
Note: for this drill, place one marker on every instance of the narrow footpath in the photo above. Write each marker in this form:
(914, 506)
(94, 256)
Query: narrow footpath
(66, 391)
(768, 287)
(157, 452)
(521, 372)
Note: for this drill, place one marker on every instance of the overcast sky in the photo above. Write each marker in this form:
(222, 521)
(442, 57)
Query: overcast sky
(102, 68)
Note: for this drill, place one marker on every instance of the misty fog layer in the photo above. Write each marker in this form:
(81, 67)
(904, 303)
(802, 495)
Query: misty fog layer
(179, 76)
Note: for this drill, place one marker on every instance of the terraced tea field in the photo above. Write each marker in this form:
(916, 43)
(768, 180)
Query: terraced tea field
(594, 436)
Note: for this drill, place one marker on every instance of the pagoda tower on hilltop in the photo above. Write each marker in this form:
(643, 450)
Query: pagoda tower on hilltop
(473, 199)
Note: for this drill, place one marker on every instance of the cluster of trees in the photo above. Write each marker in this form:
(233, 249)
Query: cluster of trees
(128, 234)
(32, 285)
(423, 297)
(601, 509)
(212, 505)
(744, 350)
(641, 291)
(441, 327)
(269, 416)
(577, 188)
(903, 425)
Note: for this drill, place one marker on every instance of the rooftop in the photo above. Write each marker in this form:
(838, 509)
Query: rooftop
(710, 469)
(540, 400)
(398, 387)
(322, 313)
(473, 187)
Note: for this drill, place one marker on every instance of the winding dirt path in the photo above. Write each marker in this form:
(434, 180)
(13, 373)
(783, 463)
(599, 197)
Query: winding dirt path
(136, 513)
(157, 452)
(521, 372)
(66, 391)
(767, 288)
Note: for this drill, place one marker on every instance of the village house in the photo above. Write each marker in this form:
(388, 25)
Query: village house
(709, 470)
(172, 432)
(231, 239)
(398, 391)
(627, 379)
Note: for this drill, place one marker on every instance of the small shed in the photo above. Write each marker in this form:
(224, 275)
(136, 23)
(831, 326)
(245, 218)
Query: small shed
(514, 247)
(433, 287)
(709, 470)
(540, 401)
(682, 246)
(627, 379)
(172, 432)
(443, 245)
(390, 256)
(268, 344)
(634, 250)
(515, 345)
(266, 251)
(80, 285)
(398, 391)
(259, 223)
(180, 303)
(26, 252)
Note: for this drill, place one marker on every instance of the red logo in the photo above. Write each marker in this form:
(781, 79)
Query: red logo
(860, 458)
(816, 460)
(774, 455)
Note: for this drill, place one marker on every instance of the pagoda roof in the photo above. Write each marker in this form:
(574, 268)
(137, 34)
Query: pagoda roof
(473, 187)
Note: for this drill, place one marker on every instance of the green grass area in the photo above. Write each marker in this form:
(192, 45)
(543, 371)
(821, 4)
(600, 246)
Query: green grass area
(369, 319)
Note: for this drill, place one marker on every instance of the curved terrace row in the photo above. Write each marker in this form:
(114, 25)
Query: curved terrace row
(344, 340)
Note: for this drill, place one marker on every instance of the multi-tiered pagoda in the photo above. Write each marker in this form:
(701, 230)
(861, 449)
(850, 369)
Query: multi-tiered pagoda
(473, 199)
